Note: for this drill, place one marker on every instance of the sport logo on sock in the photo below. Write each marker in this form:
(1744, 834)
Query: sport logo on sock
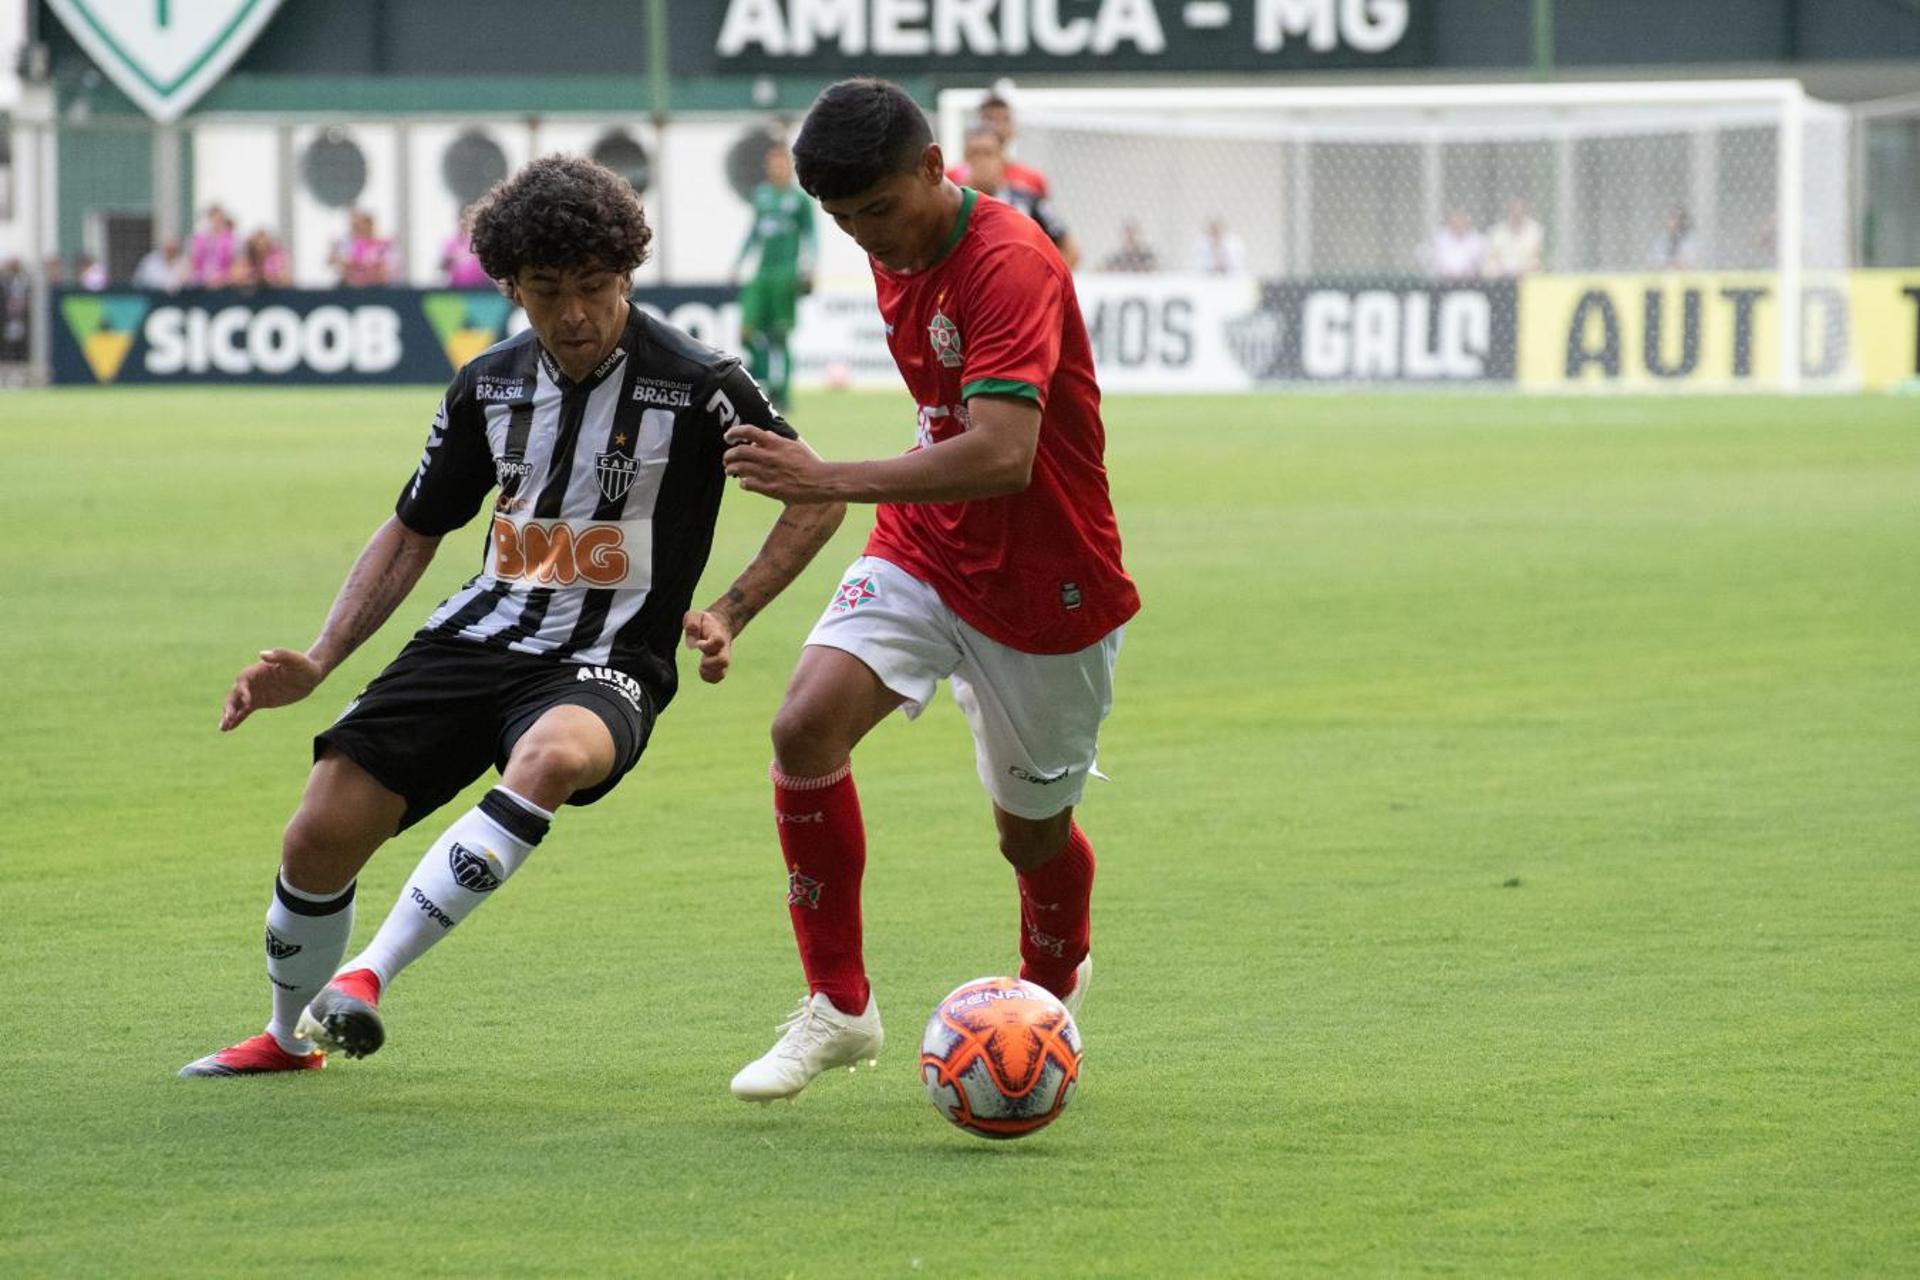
(803, 891)
(279, 948)
(478, 872)
(1047, 942)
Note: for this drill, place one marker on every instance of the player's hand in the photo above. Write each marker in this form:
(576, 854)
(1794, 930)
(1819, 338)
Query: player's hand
(280, 677)
(780, 468)
(711, 636)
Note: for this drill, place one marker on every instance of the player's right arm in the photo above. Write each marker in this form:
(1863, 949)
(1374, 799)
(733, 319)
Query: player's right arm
(992, 458)
(445, 491)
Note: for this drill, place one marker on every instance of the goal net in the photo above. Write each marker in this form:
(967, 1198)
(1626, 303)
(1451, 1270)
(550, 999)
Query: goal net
(1640, 235)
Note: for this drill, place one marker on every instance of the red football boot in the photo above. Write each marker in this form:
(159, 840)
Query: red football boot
(345, 1015)
(255, 1056)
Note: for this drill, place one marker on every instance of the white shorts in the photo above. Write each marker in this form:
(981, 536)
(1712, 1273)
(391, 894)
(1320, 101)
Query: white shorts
(1035, 716)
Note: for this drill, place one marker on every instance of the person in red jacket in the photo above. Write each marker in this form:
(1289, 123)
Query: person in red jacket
(996, 113)
(994, 564)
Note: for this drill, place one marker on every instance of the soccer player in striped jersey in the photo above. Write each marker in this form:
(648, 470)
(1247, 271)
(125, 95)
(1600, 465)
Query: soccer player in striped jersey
(994, 564)
(599, 433)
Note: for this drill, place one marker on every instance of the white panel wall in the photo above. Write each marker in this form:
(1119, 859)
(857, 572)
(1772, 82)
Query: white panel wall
(698, 220)
(238, 168)
(436, 211)
(13, 34)
(316, 228)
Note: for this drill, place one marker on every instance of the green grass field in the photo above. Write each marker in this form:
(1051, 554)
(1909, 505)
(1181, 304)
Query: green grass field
(1512, 866)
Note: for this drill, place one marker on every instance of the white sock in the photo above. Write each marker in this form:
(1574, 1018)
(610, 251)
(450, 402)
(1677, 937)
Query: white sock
(461, 869)
(306, 936)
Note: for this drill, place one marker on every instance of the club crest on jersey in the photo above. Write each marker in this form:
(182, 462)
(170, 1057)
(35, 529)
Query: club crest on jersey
(944, 334)
(616, 472)
(853, 593)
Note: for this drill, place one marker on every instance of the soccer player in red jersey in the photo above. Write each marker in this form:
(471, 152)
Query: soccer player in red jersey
(994, 563)
(996, 113)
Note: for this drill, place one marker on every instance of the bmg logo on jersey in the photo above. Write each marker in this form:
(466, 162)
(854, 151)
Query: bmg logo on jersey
(557, 553)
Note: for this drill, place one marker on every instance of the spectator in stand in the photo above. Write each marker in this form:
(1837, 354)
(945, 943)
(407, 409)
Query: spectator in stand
(458, 262)
(262, 263)
(1458, 251)
(364, 258)
(991, 176)
(1674, 248)
(162, 268)
(93, 274)
(16, 312)
(213, 249)
(1133, 253)
(1218, 251)
(1513, 243)
(997, 115)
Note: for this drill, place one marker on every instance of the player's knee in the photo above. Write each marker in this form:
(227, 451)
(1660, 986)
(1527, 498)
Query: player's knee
(1031, 845)
(553, 765)
(316, 856)
(805, 743)
(1023, 851)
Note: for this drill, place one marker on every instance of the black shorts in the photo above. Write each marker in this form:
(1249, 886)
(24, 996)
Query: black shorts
(444, 710)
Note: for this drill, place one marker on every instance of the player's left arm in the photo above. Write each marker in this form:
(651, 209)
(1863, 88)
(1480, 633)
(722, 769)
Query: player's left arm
(797, 536)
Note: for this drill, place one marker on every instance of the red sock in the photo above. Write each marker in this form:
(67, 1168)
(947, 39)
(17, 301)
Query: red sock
(1055, 898)
(825, 845)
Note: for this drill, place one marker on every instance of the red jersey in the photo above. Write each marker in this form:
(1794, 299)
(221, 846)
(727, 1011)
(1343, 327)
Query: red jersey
(1038, 571)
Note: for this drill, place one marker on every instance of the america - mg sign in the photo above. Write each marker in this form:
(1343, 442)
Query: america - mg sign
(164, 54)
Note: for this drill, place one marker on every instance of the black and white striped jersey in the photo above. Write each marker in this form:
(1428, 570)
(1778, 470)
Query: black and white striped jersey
(608, 489)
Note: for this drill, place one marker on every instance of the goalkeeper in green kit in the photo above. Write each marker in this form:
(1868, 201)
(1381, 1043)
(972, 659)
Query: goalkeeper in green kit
(782, 233)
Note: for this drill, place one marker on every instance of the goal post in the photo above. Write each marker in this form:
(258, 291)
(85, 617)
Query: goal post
(1634, 235)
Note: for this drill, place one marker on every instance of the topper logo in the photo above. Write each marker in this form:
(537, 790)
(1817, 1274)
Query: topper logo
(554, 553)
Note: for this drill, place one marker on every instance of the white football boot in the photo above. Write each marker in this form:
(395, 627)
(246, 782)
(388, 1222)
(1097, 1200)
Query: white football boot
(1082, 975)
(818, 1037)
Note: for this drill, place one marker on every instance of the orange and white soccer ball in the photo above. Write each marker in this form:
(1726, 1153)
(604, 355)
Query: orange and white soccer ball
(1001, 1057)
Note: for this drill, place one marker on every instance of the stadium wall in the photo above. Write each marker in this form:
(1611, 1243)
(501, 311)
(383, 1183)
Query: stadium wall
(1163, 334)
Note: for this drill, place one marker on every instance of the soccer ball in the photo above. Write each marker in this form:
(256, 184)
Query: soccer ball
(1000, 1058)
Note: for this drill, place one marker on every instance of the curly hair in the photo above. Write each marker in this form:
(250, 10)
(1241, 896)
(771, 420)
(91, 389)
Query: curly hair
(562, 212)
(856, 133)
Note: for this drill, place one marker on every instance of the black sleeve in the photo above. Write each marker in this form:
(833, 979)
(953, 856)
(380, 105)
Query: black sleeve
(735, 397)
(456, 468)
(1050, 220)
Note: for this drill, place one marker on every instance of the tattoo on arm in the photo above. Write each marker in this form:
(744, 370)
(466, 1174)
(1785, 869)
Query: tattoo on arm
(389, 586)
(374, 588)
(796, 538)
(739, 611)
